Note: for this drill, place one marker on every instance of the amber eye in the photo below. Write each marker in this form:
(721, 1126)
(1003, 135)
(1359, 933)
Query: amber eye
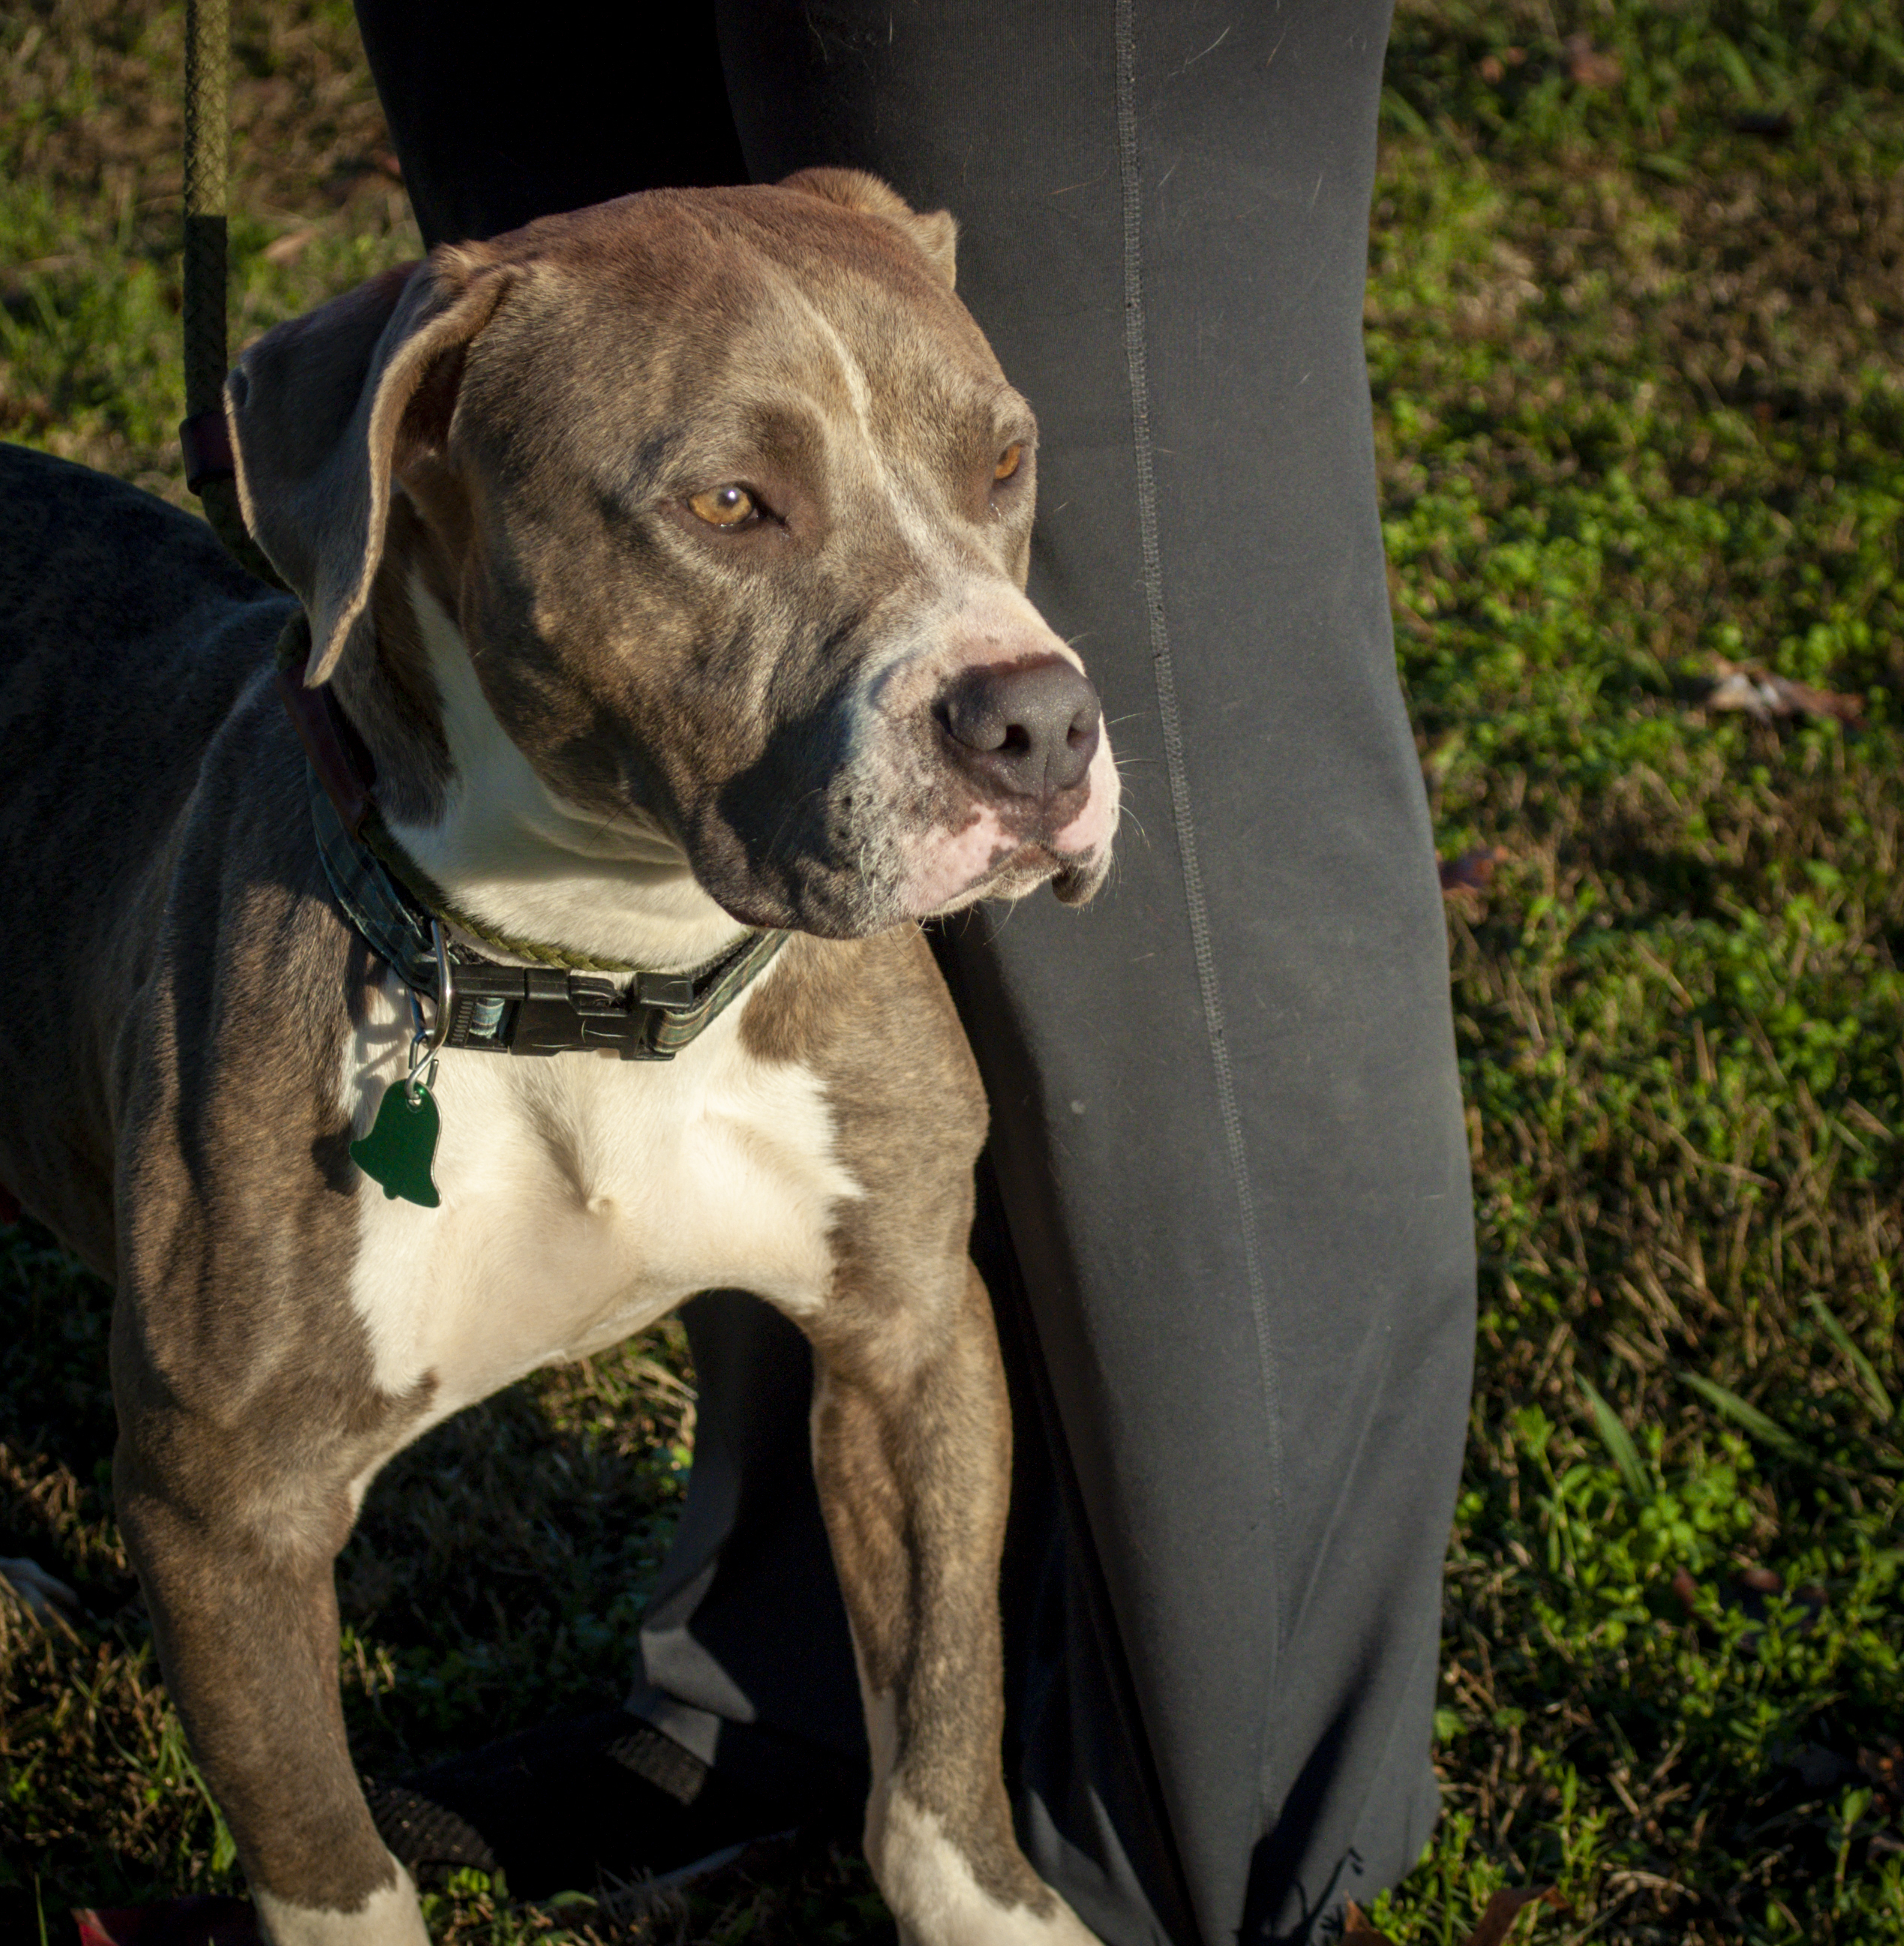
(723, 506)
(1007, 462)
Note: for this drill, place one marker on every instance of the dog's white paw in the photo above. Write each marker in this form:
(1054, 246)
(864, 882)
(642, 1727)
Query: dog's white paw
(36, 1591)
(391, 1917)
(937, 1899)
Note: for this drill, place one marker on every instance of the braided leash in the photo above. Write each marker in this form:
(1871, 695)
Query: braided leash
(204, 437)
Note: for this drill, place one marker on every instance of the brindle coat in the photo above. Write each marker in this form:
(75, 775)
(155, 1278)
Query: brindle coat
(597, 719)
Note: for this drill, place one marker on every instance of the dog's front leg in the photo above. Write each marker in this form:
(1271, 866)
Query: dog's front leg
(912, 1452)
(240, 1584)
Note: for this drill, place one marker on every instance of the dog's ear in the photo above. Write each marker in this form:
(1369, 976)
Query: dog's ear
(324, 409)
(934, 231)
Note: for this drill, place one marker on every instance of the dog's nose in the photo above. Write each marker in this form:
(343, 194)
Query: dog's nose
(1029, 729)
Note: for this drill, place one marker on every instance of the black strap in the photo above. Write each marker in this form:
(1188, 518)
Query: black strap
(528, 1010)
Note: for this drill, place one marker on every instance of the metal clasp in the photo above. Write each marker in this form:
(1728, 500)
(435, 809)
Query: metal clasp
(426, 1042)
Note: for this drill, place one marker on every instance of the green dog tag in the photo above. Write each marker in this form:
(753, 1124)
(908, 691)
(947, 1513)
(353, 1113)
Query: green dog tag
(397, 1152)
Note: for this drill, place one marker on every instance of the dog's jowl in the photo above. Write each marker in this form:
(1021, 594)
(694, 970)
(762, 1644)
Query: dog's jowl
(541, 946)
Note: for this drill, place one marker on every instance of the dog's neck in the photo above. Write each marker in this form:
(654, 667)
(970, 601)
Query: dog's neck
(463, 800)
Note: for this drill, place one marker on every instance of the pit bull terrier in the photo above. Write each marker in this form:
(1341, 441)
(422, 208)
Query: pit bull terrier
(660, 660)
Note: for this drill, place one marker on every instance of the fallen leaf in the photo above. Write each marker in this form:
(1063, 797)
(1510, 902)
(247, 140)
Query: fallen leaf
(1470, 873)
(1758, 693)
(199, 1921)
(1885, 1771)
(1589, 66)
(1504, 1909)
(1356, 1930)
(288, 249)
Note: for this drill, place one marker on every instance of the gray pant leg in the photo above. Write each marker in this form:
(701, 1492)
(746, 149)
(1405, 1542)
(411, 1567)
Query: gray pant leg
(746, 1657)
(1227, 1127)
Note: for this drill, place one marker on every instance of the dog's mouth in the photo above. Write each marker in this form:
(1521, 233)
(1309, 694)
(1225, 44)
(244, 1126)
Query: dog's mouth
(1078, 881)
(903, 832)
(1073, 876)
(837, 901)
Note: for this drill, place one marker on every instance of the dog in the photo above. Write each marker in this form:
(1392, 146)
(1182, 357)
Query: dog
(542, 945)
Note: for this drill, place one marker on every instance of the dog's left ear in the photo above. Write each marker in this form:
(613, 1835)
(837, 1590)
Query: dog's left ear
(324, 409)
(935, 232)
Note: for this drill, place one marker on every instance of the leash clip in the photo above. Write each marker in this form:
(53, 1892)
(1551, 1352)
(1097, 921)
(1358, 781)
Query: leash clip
(426, 1041)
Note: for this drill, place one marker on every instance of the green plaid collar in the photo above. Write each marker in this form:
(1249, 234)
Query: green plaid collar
(568, 1007)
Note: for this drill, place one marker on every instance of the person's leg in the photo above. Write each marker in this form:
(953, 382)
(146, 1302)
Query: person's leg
(501, 114)
(1227, 1130)
(746, 1659)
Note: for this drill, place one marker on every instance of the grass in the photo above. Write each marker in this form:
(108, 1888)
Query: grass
(1637, 335)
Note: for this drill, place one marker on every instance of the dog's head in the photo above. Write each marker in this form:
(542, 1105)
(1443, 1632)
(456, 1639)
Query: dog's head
(731, 505)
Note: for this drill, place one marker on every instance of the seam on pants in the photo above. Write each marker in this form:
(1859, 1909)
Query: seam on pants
(1171, 719)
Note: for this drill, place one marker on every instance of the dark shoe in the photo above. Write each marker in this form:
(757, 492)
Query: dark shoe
(556, 1807)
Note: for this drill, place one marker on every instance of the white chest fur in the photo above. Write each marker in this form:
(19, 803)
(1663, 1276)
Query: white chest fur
(584, 1197)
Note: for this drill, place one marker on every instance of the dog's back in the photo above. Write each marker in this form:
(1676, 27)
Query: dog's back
(126, 634)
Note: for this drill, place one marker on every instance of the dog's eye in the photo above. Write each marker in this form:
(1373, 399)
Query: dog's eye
(723, 506)
(1007, 462)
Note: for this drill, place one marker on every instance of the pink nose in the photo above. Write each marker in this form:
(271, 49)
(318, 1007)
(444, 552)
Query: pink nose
(1026, 730)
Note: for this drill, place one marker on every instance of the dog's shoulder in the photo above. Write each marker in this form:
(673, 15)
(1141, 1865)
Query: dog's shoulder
(872, 1020)
(126, 638)
(234, 1212)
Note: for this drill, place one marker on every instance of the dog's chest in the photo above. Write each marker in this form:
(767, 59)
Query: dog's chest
(583, 1197)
